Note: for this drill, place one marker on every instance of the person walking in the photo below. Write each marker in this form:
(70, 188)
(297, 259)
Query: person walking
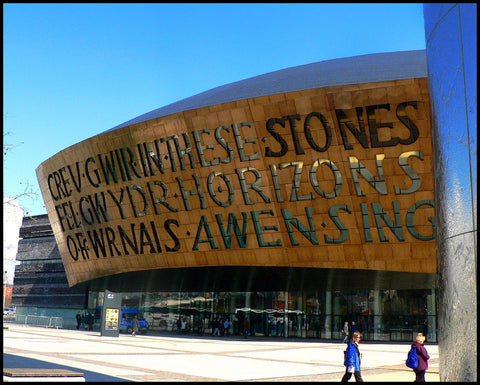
(79, 320)
(86, 320)
(89, 320)
(423, 358)
(216, 327)
(220, 327)
(353, 358)
(345, 332)
(135, 325)
(246, 327)
(353, 328)
(226, 324)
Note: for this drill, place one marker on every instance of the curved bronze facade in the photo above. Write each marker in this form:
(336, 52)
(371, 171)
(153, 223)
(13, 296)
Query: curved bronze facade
(336, 177)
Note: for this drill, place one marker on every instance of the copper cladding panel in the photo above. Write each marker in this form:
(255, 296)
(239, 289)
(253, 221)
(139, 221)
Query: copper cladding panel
(266, 181)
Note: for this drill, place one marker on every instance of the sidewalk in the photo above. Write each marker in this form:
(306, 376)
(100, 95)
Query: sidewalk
(194, 359)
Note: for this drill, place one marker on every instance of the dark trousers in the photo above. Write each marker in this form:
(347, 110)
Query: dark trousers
(357, 374)
(419, 376)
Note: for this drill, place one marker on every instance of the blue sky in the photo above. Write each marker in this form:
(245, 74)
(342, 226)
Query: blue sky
(72, 71)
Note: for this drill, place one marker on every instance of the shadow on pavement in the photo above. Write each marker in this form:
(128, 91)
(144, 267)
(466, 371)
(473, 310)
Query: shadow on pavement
(14, 361)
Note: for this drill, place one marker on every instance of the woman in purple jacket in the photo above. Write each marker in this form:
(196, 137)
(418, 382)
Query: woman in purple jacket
(423, 358)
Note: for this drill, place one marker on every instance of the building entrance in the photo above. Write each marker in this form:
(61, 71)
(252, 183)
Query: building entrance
(380, 315)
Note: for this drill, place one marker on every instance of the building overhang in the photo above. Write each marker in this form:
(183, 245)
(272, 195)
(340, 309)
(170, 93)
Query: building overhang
(308, 173)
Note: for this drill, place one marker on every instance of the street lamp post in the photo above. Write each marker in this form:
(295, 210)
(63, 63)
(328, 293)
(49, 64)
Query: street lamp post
(5, 277)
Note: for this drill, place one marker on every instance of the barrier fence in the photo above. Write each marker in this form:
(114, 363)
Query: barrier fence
(39, 320)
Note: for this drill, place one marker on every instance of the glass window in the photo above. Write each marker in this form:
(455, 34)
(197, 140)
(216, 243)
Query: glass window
(395, 315)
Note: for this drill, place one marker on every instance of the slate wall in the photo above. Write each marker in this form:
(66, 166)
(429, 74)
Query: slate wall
(40, 279)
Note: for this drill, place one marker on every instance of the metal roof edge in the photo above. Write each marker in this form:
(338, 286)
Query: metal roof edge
(368, 68)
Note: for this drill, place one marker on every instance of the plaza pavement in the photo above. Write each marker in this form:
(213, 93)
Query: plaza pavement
(191, 358)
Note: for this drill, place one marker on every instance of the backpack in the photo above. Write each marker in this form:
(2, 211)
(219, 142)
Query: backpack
(412, 359)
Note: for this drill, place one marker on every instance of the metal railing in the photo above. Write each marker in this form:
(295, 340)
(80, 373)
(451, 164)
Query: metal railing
(39, 320)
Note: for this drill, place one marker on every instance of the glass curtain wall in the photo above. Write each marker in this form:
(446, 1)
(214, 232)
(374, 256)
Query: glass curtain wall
(380, 315)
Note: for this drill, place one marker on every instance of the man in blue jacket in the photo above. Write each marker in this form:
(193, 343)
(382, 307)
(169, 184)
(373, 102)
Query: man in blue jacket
(353, 357)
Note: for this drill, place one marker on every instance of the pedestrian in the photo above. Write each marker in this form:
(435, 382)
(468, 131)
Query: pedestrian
(179, 325)
(423, 358)
(216, 327)
(135, 325)
(246, 327)
(89, 319)
(221, 326)
(79, 320)
(92, 320)
(353, 358)
(345, 332)
(226, 324)
(184, 326)
(353, 328)
(200, 326)
(86, 319)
